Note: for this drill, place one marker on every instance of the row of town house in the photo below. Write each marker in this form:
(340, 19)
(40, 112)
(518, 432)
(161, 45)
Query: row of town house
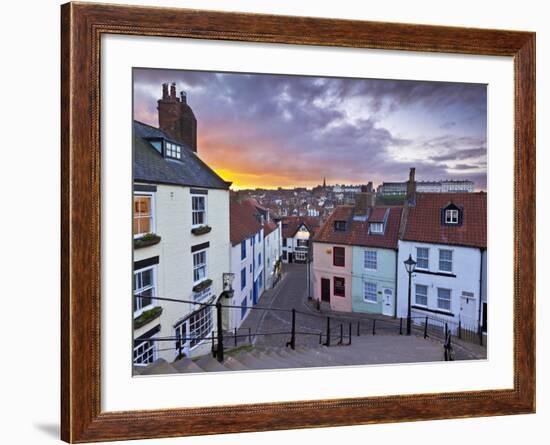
(188, 233)
(359, 254)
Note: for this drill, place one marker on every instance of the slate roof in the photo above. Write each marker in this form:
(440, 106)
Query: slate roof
(424, 220)
(244, 221)
(150, 166)
(291, 224)
(357, 232)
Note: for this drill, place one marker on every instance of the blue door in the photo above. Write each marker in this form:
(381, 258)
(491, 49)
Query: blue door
(255, 295)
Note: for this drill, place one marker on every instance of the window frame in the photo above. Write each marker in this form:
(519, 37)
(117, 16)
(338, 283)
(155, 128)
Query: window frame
(153, 348)
(419, 258)
(451, 261)
(243, 250)
(204, 211)
(334, 256)
(367, 300)
(172, 150)
(452, 212)
(243, 278)
(450, 300)
(343, 287)
(151, 195)
(205, 251)
(376, 224)
(153, 286)
(416, 303)
(370, 251)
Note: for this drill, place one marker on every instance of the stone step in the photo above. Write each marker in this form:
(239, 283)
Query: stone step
(159, 366)
(210, 364)
(186, 365)
(233, 364)
(258, 361)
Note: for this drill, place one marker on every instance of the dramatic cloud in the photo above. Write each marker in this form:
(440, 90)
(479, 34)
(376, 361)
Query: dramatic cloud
(275, 130)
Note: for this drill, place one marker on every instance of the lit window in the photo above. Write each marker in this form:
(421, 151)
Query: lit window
(144, 288)
(444, 299)
(370, 259)
(422, 258)
(370, 292)
(143, 214)
(446, 260)
(421, 295)
(173, 150)
(199, 210)
(199, 266)
(451, 216)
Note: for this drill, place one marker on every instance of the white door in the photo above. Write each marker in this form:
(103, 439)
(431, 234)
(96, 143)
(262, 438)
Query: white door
(387, 308)
(468, 310)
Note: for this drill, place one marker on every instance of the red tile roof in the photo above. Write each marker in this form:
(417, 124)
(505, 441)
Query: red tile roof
(291, 224)
(269, 227)
(424, 220)
(244, 221)
(378, 214)
(357, 233)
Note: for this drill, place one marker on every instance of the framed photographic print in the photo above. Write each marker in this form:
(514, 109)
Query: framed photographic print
(284, 222)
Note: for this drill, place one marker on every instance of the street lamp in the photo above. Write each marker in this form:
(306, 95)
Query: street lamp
(410, 265)
(227, 292)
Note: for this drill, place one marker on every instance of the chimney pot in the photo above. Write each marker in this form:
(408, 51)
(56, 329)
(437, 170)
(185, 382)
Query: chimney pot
(173, 91)
(164, 91)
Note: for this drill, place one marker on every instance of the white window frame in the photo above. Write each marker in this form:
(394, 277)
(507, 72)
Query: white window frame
(205, 211)
(450, 300)
(375, 259)
(172, 150)
(201, 265)
(153, 286)
(416, 293)
(451, 216)
(377, 225)
(418, 258)
(153, 219)
(368, 300)
(151, 348)
(452, 261)
(183, 328)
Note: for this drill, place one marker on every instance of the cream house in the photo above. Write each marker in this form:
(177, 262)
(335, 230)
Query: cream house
(181, 246)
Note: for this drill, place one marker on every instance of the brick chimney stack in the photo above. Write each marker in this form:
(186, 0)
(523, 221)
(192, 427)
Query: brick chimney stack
(364, 201)
(411, 185)
(176, 118)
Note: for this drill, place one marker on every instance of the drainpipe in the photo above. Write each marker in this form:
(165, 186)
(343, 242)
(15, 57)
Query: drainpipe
(395, 287)
(480, 291)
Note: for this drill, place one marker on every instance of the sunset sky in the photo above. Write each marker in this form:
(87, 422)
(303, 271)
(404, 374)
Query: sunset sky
(273, 131)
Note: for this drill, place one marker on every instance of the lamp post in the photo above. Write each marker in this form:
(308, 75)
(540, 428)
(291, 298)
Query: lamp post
(410, 265)
(227, 293)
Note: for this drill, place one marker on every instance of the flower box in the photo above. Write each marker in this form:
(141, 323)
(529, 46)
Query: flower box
(148, 239)
(201, 230)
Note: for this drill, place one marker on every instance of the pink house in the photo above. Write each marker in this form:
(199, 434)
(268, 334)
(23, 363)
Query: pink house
(332, 261)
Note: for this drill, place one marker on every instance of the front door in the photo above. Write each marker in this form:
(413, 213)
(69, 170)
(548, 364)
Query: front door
(325, 290)
(387, 308)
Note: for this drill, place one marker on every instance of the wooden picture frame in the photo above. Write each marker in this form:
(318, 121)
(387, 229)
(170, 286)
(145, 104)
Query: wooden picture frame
(82, 26)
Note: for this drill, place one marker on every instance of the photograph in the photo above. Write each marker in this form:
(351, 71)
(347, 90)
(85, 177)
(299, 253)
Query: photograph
(284, 221)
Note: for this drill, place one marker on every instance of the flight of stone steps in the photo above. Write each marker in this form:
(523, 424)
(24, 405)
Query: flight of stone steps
(365, 350)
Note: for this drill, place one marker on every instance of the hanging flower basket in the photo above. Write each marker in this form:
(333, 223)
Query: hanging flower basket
(149, 239)
(201, 230)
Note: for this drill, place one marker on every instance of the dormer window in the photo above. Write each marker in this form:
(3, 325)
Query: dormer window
(172, 150)
(340, 226)
(451, 215)
(376, 228)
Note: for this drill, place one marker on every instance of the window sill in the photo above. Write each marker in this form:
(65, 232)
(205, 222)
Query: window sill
(149, 239)
(201, 230)
(370, 301)
(434, 311)
(147, 316)
(202, 285)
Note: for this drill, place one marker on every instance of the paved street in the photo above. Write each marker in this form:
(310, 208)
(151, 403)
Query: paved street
(272, 327)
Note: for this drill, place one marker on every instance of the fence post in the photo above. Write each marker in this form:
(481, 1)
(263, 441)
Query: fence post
(320, 338)
(349, 338)
(235, 336)
(460, 329)
(480, 329)
(293, 333)
(249, 336)
(341, 334)
(426, 327)
(400, 326)
(374, 326)
(219, 351)
(213, 347)
(328, 332)
(358, 329)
